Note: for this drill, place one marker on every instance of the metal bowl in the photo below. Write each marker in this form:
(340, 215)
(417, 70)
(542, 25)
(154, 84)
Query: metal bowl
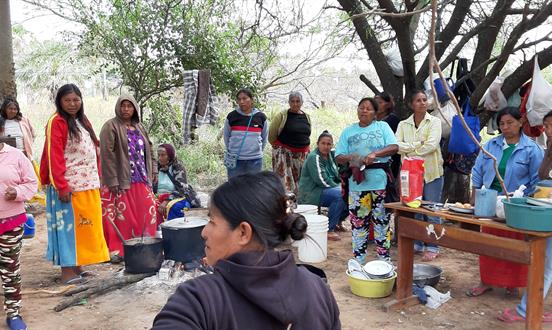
(425, 274)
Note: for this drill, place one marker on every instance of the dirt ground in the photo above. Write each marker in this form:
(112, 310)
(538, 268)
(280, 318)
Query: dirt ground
(135, 306)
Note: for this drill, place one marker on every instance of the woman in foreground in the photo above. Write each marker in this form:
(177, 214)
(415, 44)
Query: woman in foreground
(253, 286)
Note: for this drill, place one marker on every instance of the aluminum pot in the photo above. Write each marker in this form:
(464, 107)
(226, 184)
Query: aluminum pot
(425, 274)
(182, 239)
(143, 255)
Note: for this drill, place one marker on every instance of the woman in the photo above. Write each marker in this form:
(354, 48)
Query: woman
(18, 183)
(545, 173)
(245, 134)
(175, 195)
(18, 126)
(320, 183)
(289, 136)
(386, 108)
(419, 136)
(70, 169)
(366, 146)
(128, 170)
(518, 159)
(253, 286)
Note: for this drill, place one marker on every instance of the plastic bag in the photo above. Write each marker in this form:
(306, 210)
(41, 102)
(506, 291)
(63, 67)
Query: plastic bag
(448, 111)
(494, 99)
(539, 102)
(412, 179)
(395, 62)
(500, 206)
(460, 142)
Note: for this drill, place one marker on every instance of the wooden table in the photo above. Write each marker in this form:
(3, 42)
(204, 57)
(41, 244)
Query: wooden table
(530, 251)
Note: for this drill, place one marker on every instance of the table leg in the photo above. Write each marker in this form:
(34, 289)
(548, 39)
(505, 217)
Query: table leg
(535, 284)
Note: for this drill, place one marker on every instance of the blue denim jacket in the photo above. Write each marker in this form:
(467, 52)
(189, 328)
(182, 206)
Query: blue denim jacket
(522, 167)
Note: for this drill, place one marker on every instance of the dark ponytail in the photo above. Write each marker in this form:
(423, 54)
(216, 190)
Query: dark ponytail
(324, 134)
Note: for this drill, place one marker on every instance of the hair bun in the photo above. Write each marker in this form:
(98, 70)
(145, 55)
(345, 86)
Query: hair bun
(295, 226)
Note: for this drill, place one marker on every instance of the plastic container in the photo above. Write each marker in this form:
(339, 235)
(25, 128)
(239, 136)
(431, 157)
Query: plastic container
(371, 288)
(314, 247)
(485, 203)
(29, 227)
(306, 209)
(521, 215)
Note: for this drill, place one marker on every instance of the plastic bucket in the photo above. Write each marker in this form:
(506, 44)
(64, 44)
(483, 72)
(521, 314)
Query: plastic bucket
(314, 247)
(29, 227)
(521, 215)
(485, 202)
(306, 209)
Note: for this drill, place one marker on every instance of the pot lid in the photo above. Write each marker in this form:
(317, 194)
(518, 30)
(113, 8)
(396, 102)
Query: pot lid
(186, 222)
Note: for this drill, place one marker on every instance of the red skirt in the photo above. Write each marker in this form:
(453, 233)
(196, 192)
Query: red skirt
(502, 273)
(133, 211)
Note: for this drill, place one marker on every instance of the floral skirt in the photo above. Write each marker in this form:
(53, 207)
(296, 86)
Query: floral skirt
(287, 165)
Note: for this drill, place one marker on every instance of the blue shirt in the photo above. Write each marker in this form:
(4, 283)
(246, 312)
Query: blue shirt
(522, 167)
(363, 141)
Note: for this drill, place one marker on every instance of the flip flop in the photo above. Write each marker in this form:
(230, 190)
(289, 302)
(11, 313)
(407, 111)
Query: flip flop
(76, 280)
(88, 273)
(510, 316)
(476, 291)
(429, 256)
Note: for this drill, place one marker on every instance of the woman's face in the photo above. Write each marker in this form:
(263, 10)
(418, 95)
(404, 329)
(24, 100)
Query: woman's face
(11, 111)
(71, 103)
(295, 104)
(419, 104)
(244, 102)
(220, 240)
(382, 104)
(127, 110)
(325, 145)
(510, 126)
(162, 156)
(366, 113)
(548, 127)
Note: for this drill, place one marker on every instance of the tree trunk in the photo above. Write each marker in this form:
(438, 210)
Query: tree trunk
(7, 69)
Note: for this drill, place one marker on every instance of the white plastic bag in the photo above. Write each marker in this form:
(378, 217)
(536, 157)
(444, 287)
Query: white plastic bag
(494, 98)
(448, 111)
(500, 206)
(539, 102)
(395, 61)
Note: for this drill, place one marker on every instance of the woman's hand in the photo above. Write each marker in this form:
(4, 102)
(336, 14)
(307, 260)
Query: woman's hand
(154, 178)
(162, 208)
(114, 190)
(65, 197)
(370, 159)
(10, 194)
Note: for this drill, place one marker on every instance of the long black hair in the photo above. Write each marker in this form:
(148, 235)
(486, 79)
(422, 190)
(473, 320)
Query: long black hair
(260, 200)
(74, 132)
(4, 108)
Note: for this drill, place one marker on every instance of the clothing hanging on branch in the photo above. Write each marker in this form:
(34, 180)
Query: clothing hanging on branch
(199, 102)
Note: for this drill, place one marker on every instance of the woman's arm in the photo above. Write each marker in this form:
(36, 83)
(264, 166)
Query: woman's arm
(431, 143)
(316, 169)
(109, 162)
(28, 184)
(404, 146)
(57, 138)
(273, 130)
(546, 166)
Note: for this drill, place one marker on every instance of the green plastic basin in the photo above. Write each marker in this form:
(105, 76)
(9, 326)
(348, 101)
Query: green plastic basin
(521, 215)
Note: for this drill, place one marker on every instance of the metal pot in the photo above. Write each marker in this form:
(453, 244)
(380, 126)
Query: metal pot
(143, 255)
(425, 274)
(182, 239)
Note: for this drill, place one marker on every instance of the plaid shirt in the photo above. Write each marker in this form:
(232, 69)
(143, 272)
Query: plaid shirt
(190, 119)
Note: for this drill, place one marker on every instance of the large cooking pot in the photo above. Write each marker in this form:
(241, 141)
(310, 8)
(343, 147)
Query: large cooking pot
(182, 239)
(143, 255)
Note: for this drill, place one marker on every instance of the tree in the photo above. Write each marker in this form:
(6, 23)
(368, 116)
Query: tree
(496, 29)
(7, 71)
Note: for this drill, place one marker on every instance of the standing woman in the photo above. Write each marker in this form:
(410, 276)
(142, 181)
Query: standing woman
(70, 169)
(419, 136)
(128, 170)
(366, 146)
(289, 136)
(18, 183)
(245, 135)
(18, 126)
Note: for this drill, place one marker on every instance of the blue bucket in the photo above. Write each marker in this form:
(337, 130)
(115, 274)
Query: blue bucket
(29, 227)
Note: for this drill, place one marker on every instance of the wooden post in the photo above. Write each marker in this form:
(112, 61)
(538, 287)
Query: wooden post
(535, 282)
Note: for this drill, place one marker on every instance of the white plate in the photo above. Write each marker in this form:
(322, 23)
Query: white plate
(378, 268)
(460, 209)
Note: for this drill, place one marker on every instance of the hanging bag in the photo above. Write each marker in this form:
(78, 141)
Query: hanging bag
(231, 159)
(460, 141)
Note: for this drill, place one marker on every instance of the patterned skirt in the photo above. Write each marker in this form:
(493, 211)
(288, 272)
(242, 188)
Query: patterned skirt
(287, 165)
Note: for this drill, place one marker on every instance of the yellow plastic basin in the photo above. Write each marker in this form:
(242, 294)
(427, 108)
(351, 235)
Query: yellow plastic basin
(372, 288)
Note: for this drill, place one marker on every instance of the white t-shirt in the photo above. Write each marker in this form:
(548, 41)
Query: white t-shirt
(13, 129)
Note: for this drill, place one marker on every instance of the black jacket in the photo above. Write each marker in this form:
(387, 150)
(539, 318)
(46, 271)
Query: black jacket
(248, 291)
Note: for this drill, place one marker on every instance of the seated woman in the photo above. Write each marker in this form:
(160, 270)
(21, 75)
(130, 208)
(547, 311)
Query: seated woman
(253, 286)
(174, 193)
(518, 159)
(320, 183)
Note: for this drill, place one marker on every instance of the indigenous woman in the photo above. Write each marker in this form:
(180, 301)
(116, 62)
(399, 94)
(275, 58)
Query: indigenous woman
(519, 159)
(18, 126)
(128, 170)
(366, 146)
(254, 286)
(18, 183)
(289, 136)
(174, 193)
(419, 136)
(320, 183)
(245, 134)
(70, 169)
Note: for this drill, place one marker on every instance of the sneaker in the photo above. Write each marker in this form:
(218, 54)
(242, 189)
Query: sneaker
(16, 323)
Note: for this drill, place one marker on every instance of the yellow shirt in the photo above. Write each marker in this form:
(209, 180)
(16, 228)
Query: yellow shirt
(410, 139)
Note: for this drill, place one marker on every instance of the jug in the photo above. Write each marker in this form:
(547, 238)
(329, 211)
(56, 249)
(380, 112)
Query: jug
(485, 202)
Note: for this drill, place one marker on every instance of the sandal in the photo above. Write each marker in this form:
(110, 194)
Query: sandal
(510, 316)
(76, 280)
(476, 291)
(88, 273)
(429, 256)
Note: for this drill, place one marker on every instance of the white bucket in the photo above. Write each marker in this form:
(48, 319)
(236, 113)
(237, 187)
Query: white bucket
(314, 248)
(306, 209)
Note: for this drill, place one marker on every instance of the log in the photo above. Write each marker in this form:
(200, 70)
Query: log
(99, 287)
